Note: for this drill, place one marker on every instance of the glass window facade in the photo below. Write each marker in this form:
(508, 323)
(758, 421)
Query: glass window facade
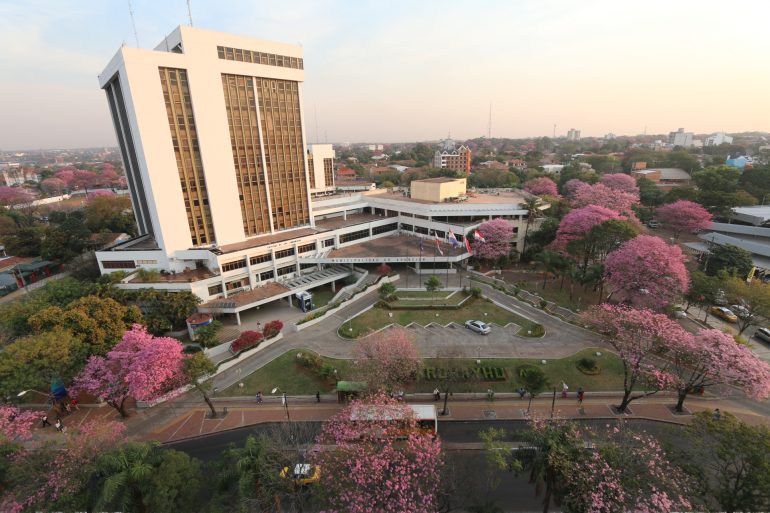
(269, 59)
(241, 105)
(329, 172)
(311, 171)
(184, 138)
(118, 264)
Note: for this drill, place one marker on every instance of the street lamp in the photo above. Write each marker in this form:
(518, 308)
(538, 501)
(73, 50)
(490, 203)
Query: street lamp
(284, 401)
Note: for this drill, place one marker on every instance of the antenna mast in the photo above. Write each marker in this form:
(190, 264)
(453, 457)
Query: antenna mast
(133, 22)
(189, 12)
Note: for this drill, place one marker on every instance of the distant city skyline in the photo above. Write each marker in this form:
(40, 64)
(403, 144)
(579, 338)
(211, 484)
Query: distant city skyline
(414, 72)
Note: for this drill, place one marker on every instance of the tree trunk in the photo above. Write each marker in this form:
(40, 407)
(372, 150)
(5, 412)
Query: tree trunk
(211, 405)
(446, 399)
(545, 278)
(625, 401)
(119, 407)
(561, 285)
(682, 395)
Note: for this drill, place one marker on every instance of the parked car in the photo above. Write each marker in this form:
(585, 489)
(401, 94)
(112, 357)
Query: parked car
(720, 298)
(302, 474)
(679, 314)
(478, 326)
(723, 313)
(740, 311)
(763, 334)
(653, 224)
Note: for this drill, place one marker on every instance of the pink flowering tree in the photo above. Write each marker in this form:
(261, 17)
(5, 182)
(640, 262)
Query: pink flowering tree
(367, 464)
(47, 478)
(579, 221)
(647, 271)
(52, 185)
(16, 424)
(621, 182)
(683, 215)
(629, 472)
(572, 186)
(83, 179)
(139, 366)
(498, 235)
(637, 335)
(712, 357)
(542, 186)
(387, 359)
(100, 193)
(599, 194)
(66, 175)
(13, 196)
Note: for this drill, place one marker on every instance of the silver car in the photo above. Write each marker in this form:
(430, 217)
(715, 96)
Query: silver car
(478, 327)
(763, 334)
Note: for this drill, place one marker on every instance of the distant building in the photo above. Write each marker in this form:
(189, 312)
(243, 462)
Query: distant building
(553, 169)
(458, 159)
(18, 176)
(398, 167)
(439, 190)
(573, 135)
(755, 239)
(680, 138)
(374, 147)
(738, 162)
(664, 177)
(718, 138)
(517, 163)
(320, 164)
(493, 164)
(345, 173)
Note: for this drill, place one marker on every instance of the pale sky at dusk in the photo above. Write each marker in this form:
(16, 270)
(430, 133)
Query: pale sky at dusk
(387, 71)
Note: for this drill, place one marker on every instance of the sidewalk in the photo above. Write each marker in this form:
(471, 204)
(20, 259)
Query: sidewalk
(243, 412)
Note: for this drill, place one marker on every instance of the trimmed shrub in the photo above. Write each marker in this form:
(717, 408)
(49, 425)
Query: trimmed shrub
(476, 292)
(588, 366)
(246, 340)
(272, 328)
(309, 361)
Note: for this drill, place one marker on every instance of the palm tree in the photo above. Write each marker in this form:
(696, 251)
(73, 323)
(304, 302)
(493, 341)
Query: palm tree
(533, 212)
(125, 476)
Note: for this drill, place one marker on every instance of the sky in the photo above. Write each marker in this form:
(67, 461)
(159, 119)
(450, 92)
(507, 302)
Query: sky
(392, 71)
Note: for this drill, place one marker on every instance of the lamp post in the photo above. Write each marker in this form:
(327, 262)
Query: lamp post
(284, 401)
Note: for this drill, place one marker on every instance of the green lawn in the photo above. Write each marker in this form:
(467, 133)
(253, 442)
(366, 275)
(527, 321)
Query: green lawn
(480, 308)
(442, 299)
(322, 295)
(283, 372)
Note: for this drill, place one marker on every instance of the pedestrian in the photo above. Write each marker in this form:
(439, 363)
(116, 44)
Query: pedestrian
(259, 327)
(68, 408)
(580, 394)
(74, 404)
(436, 394)
(259, 397)
(564, 390)
(401, 395)
(318, 396)
(59, 426)
(521, 392)
(716, 415)
(45, 421)
(490, 394)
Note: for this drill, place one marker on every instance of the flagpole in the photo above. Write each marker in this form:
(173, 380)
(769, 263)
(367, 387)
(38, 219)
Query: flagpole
(448, 229)
(419, 263)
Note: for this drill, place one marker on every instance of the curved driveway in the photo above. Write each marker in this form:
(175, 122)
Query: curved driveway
(561, 339)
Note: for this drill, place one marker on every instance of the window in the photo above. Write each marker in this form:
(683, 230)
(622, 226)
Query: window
(307, 247)
(284, 253)
(328, 243)
(215, 289)
(407, 227)
(146, 262)
(286, 270)
(231, 266)
(420, 229)
(235, 284)
(261, 259)
(361, 234)
(271, 59)
(307, 266)
(118, 264)
(386, 228)
(267, 275)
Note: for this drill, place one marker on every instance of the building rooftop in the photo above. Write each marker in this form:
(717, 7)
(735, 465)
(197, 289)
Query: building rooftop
(266, 239)
(332, 223)
(439, 180)
(756, 215)
(473, 198)
(265, 291)
(394, 246)
(183, 277)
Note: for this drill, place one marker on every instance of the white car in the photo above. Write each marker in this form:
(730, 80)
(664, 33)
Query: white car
(478, 326)
(740, 311)
(763, 334)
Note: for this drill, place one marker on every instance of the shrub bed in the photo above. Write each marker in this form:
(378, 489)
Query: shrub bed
(588, 366)
(246, 340)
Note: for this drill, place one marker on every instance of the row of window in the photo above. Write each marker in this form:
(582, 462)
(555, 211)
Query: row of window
(284, 253)
(269, 59)
(361, 234)
(385, 228)
(118, 264)
(231, 266)
(307, 248)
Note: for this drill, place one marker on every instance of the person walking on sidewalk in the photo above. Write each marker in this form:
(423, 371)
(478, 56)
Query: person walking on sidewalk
(318, 396)
(59, 426)
(259, 397)
(522, 392)
(716, 415)
(45, 421)
(580, 394)
(74, 404)
(564, 390)
(436, 394)
(490, 394)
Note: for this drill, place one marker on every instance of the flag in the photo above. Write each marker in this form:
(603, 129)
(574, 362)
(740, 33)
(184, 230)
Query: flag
(438, 247)
(452, 239)
(468, 245)
(477, 236)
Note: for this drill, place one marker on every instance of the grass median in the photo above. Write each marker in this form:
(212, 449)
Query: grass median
(475, 308)
(285, 372)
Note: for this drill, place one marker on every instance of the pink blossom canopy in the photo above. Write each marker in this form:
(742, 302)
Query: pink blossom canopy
(621, 182)
(599, 194)
(683, 215)
(579, 221)
(542, 186)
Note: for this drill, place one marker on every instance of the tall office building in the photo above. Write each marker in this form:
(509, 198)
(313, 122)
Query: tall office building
(458, 159)
(211, 130)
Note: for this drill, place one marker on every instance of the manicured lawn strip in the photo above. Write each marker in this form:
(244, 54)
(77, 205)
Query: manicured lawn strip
(376, 318)
(403, 294)
(454, 300)
(283, 372)
(322, 295)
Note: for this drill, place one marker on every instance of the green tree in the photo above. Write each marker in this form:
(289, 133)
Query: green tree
(600, 240)
(387, 291)
(732, 259)
(533, 212)
(649, 194)
(732, 460)
(681, 159)
(144, 478)
(534, 381)
(433, 284)
(757, 182)
(207, 335)
(111, 214)
(33, 361)
(24, 242)
(703, 291)
(540, 238)
(66, 238)
(197, 368)
(755, 299)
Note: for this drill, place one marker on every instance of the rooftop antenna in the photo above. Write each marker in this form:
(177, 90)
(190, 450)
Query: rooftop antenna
(133, 22)
(489, 126)
(189, 12)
